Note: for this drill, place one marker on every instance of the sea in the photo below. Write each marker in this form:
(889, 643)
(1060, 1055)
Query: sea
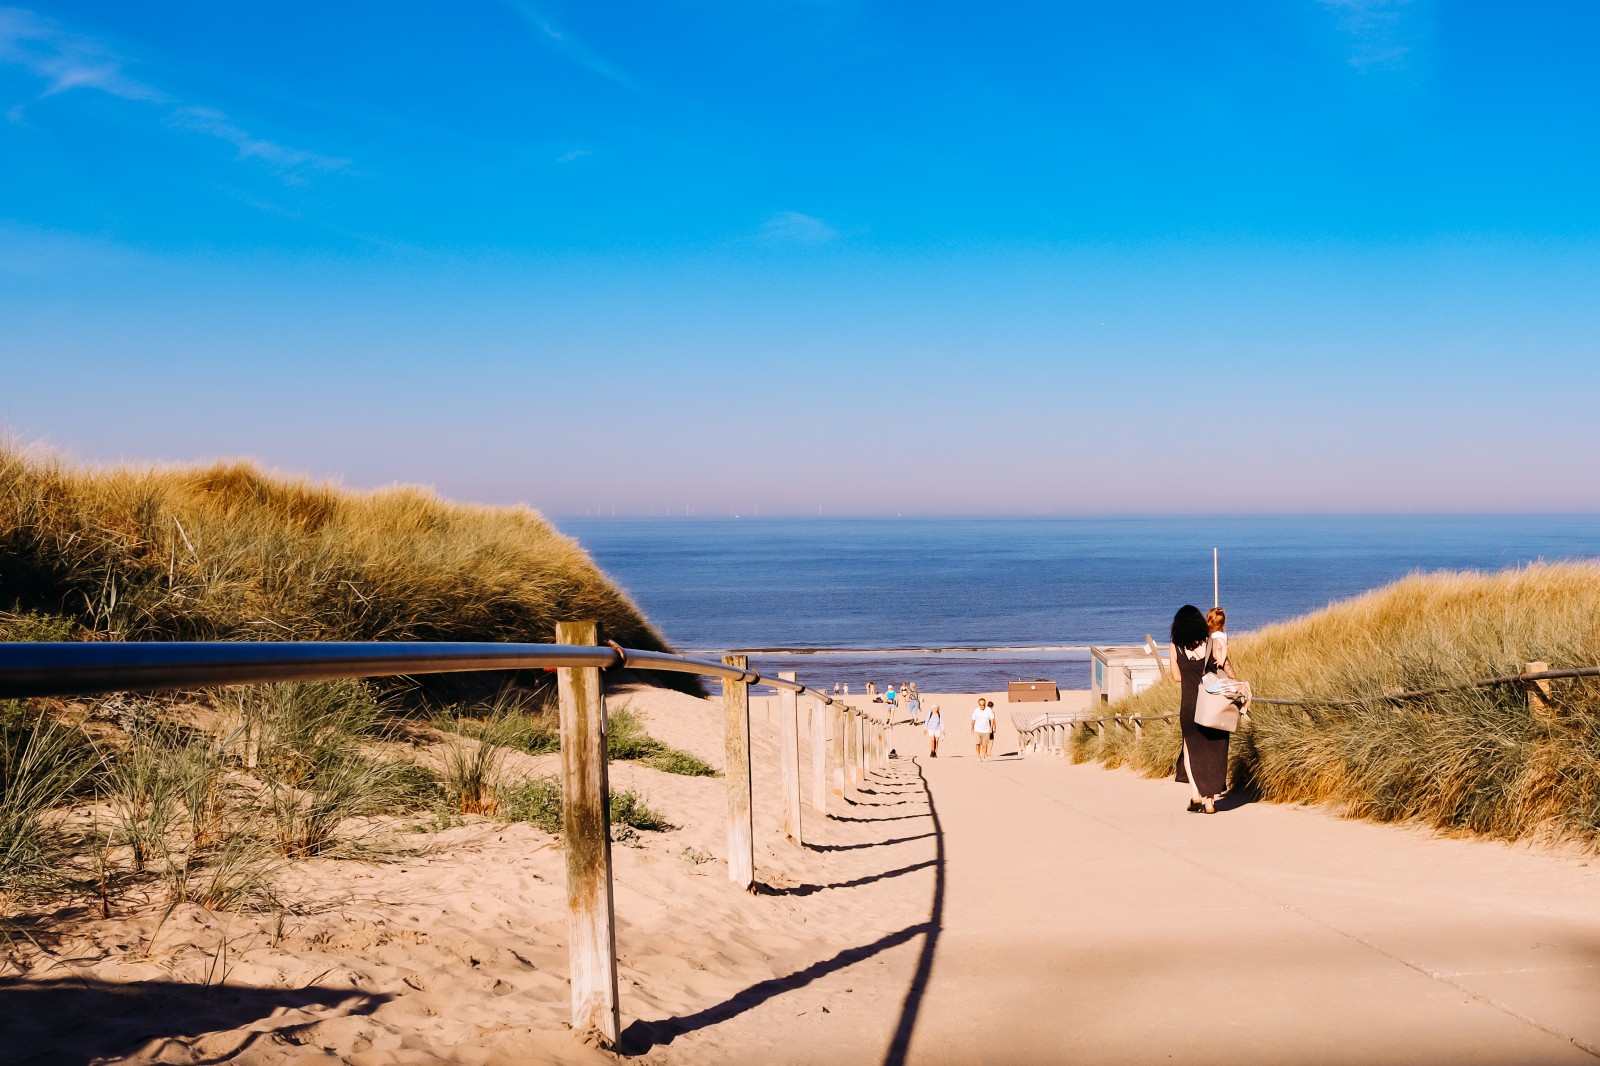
(967, 604)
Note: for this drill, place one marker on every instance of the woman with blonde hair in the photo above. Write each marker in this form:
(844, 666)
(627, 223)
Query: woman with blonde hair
(1203, 762)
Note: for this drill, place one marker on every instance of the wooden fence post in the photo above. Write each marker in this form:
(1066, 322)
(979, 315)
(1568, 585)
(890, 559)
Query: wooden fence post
(819, 756)
(789, 751)
(1539, 705)
(840, 748)
(852, 751)
(741, 826)
(586, 834)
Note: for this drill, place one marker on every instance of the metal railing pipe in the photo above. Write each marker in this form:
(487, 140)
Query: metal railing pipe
(84, 669)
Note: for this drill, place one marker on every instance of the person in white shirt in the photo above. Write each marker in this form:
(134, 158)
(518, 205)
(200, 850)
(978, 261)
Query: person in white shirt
(935, 730)
(983, 728)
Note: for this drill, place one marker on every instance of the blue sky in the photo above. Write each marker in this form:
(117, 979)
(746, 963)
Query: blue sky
(859, 257)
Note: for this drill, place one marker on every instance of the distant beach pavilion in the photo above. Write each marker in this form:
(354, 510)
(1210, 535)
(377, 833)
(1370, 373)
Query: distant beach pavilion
(1121, 670)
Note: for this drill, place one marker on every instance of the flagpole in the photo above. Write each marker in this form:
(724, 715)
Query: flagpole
(1216, 587)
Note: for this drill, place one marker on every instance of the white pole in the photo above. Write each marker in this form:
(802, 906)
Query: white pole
(1216, 588)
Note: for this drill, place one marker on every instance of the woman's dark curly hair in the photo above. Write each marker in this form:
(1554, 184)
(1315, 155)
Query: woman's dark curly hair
(1189, 628)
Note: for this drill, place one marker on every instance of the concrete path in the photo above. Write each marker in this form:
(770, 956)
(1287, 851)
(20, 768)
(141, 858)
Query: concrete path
(1082, 915)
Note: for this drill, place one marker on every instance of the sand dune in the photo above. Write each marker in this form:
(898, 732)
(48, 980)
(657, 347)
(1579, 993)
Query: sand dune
(456, 952)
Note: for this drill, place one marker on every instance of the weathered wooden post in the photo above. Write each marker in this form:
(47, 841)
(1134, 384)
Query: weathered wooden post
(841, 737)
(819, 756)
(586, 833)
(852, 751)
(1539, 705)
(789, 751)
(741, 826)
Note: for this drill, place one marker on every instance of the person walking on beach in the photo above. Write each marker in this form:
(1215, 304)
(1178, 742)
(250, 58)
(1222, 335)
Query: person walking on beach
(1203, 760)
(983, 728)
(889, 697)
(914, 708)
(935, 729)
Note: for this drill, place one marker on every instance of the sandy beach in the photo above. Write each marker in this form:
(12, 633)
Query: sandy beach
(1050, 892)
(456, 951)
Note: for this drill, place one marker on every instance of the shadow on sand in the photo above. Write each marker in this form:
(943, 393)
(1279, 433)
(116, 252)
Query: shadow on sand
(80, 1021)
(868, 844)
(641, 1036)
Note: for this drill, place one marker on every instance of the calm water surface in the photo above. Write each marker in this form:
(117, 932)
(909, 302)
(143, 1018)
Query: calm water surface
(866, 584)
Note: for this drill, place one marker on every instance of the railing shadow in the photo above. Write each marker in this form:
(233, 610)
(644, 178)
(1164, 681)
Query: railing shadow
(811, 890)
(641, 1036)
(912, 1005)
(885, 818)
(869, 844)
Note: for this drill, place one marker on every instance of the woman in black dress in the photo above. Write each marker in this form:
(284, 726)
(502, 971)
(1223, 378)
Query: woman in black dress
(1203, 763)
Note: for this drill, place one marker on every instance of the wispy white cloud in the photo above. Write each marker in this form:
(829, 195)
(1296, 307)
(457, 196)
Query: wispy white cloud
(1380, 32)
(69, 62)
(573, 156)
(292, 163)
(66, 60)
(793, 227)
(568, 46)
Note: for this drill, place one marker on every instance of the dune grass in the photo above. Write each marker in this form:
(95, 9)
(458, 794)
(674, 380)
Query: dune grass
(42, 765)
(1476, 761)
(626, 739)
(513, 722)
(538, 801)
(229, 552)
(212, 793)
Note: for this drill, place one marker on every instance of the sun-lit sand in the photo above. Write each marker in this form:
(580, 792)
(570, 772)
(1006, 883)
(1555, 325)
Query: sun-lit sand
(456, 951)
(1055, 897)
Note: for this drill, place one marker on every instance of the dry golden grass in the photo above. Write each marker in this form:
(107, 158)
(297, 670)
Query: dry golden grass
(227, 552)
(1476, 761)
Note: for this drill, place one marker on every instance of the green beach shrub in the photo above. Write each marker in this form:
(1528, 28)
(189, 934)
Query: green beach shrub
(538, 801)
(626, 739)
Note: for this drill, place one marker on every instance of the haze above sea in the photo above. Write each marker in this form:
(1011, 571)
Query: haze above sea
(1044, 588)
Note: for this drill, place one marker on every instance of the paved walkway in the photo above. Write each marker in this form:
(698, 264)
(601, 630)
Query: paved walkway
(1082, 915)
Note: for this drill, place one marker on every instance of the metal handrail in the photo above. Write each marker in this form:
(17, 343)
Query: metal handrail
(1401, 695)
(85, 669)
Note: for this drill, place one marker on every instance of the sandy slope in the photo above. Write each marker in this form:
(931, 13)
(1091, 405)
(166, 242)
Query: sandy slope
(457, 952)
(1021, 910)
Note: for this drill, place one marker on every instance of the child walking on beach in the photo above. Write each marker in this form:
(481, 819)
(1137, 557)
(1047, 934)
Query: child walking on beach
(935, 729)
(1217, 624)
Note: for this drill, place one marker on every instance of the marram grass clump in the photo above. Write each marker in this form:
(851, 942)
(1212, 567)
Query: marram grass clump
(1478, 761)
(229, 552)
